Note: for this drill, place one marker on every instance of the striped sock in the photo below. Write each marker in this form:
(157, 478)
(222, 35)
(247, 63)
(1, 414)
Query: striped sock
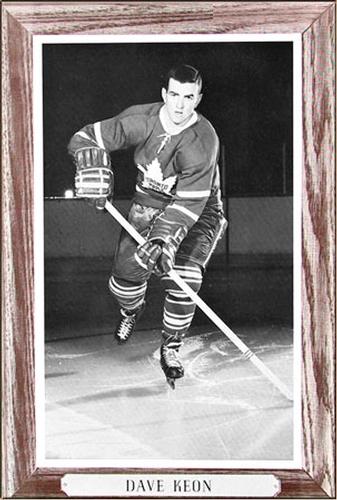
(179, 308)
(129, 295)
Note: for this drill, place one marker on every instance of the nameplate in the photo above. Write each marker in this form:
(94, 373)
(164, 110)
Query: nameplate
(171, 485)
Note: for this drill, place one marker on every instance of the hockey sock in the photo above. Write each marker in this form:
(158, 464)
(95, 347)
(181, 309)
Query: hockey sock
(129, 295)
(179, 308)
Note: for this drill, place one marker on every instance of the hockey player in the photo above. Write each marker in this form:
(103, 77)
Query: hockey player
(177, 203)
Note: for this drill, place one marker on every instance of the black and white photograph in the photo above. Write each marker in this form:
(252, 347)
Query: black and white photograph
(168, 249)
(169, 319)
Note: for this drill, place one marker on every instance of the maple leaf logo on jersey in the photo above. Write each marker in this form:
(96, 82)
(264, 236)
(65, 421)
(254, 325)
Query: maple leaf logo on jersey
(153, 178)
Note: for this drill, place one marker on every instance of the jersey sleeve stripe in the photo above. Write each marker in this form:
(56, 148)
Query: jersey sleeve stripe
(194, 194)
(98, 134)
(184, 210)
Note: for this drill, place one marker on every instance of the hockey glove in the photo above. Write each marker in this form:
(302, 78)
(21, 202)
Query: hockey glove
(158, 253)
(94, 177)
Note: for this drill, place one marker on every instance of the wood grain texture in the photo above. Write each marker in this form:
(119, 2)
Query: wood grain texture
(316, 22)
(17, 272)
(166, 17)
(318, 294)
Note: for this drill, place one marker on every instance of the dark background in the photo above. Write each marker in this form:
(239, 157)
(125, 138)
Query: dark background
(247, 98)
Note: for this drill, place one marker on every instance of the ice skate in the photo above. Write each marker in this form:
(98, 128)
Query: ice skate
(169, 361)
(127, 324)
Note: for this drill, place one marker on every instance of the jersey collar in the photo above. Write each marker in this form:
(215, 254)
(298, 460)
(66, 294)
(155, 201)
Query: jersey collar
(171, 128)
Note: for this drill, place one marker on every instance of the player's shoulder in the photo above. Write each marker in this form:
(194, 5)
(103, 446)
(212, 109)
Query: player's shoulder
(204, 128)
(144, 110)
(200, 143)
(204, 133)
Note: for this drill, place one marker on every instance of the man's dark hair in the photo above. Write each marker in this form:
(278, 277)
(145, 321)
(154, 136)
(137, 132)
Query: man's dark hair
(184, 73)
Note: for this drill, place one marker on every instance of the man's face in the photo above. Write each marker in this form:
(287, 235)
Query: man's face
(181, 99)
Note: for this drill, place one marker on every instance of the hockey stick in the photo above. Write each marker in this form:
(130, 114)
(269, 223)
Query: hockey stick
(247, 353)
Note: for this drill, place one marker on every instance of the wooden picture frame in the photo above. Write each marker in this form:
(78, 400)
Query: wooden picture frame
(315, 21)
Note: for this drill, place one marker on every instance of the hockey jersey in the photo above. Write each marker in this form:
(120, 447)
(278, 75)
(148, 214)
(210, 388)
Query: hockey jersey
(177, 166)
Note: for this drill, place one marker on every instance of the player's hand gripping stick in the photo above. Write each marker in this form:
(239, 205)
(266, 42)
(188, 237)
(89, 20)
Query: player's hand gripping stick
(247, 353)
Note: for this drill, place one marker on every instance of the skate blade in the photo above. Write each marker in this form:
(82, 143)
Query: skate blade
(171, 382)
(121, 341)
